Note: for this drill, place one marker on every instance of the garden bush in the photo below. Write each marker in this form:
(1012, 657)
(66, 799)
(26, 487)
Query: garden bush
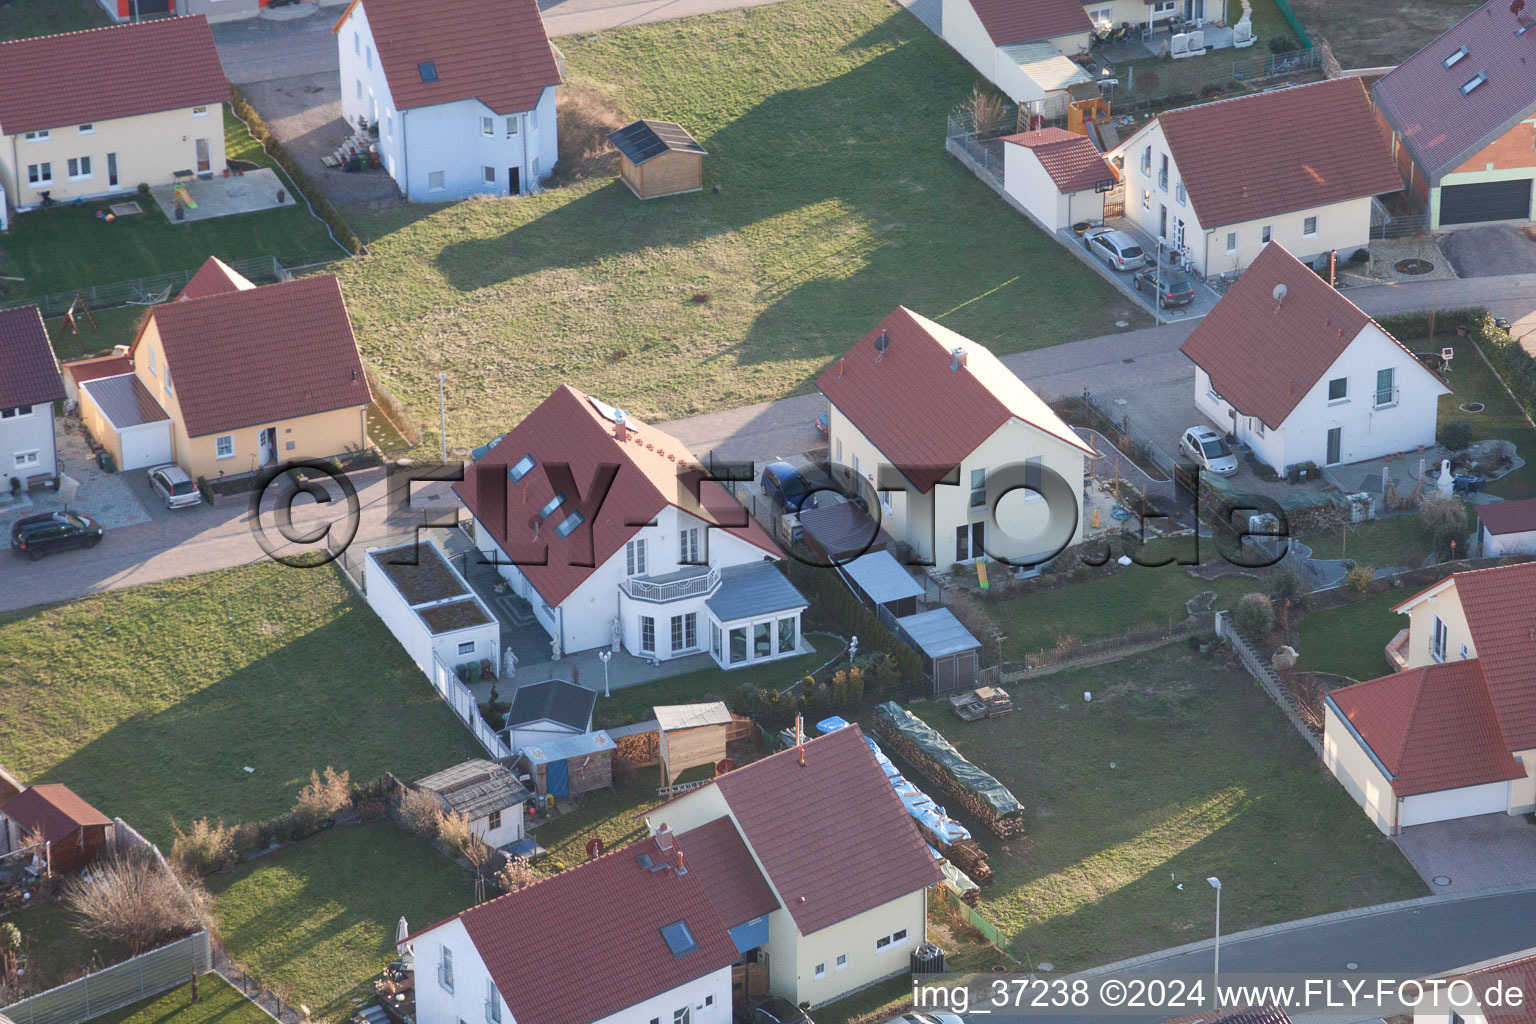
(1455, 434)
(207, 846)
(1358, 579)
(1254, 616)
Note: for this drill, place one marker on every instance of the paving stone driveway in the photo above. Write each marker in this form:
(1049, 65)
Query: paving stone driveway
(105, 497)
(1484, 852)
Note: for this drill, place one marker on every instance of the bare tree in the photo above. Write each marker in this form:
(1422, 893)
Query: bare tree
(985, 109)
(418, 812)
(136, 899)
(516, 874)
(324, 798)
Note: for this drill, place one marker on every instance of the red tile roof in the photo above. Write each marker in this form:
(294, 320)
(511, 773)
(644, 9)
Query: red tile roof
(1233, 172)
(29, 374)
(1422, 98)
(1500, 605)
(923, 416)
(648, 474)
(214, 277)
(798, 819)
(1070, 159)
(1264, 356)
(1521, 969)
(1433, 727)
(118, 71)
(262, 355)
(1508, 516)
(53, 810)
(82, 370)
(1023, 21)
(587, 943)
(494, 51)
(735, 887)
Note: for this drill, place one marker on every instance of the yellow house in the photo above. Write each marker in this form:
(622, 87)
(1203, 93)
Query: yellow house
(230, 379)
(139, 103)
(1453, 733)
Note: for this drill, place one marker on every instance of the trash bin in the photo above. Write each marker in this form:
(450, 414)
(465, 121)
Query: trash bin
(104, 460)
(927, 959)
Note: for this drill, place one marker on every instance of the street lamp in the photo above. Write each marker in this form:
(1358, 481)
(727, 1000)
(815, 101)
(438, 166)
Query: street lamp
(1216, 973)
(605, 657)
(442, 412)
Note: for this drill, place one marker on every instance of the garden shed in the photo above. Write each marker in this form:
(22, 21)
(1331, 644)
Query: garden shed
(429, 607)
(691, 735)
(879, 580)
(550, 710)
(951, 655)
(659, 158)
(570, 766)
(1507, 527)
(486, 793)
(62, 831)
(841, 532)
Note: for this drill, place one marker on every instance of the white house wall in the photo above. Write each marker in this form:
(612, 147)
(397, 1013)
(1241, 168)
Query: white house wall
(964, 31)
(1465, 802)
(388, 604)
(1026, 180)
(466, 1002)
(1360, 776)
(21, 434)
(510, 830)
(486, 639)
(708, 1000)
(854, 938)
(1522, 542)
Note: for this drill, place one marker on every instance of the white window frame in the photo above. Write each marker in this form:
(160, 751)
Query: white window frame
(842, 962)
(19, 412)
(199, 111)
(440, 178)
(634, 557)
(487, 126)
(89, 128)
(154, 365)
(1231, 242)
(1342, 398)
(1391, 391)
(219, 444)
(27, 458)
(819, 971)
(1439, 638)
(1266, 233)
(644, 647)
(492, 997)
(359, 88)
(688, 546)
(44, 173)
(1103, 16)
(488, 174)
(41, 135)
(467, 647)
(445, 968)
(389, 124)
(79, 168)
(512, 127)
(357, 42)
(368, 56)
(1309, 232)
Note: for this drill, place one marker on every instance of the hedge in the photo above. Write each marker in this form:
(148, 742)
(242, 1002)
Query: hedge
(833, 602)
(1514, 367)
(302, 182)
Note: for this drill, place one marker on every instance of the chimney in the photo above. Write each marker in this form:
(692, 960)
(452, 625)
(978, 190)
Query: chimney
(620, 426)
(800, 737)
(957, 358)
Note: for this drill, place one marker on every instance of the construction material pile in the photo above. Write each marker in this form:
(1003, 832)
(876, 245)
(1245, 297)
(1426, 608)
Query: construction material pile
(930, 753)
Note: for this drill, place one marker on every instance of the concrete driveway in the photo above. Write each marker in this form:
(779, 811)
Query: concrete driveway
(1491, 251)
(1157, 412)
(1467, 854)
(264, 49)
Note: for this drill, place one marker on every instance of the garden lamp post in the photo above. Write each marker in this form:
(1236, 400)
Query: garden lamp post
(605, 657)
(442, 413)
(1215, 883)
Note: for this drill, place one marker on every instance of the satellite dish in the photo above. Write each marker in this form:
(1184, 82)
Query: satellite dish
(883, 342)
(594, 847)
(1279, 293)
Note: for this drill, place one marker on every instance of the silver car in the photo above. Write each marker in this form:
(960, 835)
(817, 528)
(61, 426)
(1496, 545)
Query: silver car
(1208, 450)
(1118, 250)
(173, 484)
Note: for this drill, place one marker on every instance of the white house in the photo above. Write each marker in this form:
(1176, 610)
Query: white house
(1507, 528)
(486, 793)
(1453, 734)
(613, 532)
(462, 93)
(1207, 183)
(1290, 367)
(29, 385)
(967, 462)
(1023, 49)
(429, 607)
(548, 710)
(1057, 175)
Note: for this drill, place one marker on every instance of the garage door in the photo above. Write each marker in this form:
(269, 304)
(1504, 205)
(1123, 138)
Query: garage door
(149, 445)
(1455, 803)
(1493, 200)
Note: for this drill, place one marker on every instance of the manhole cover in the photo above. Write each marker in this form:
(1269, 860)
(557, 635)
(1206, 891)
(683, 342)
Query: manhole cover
(1122, 323)
(1472, 407)
(1352, 966)
(1413, 265)
(1046, 967)
(1442, 880)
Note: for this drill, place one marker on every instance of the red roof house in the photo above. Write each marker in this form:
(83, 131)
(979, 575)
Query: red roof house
(1057, 175)
(63, 831)
(29, 385)
(1507, 527)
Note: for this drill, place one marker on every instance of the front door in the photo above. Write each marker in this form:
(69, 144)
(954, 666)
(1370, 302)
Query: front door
(267, 444)
(514, 183)
(970, 542)
(1335, 443)
(203, 162)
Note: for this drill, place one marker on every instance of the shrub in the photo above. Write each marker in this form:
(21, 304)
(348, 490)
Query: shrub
(1455, 434)
(417, 812)
(1282, 43)
(1254, 616)
(1358, 579)
(323, 799)
(516, 874)
(134, 899)
(1286, 585)
(205, 847)
(369, 809)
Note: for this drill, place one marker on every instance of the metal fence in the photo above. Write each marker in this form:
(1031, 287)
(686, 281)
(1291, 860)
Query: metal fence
(1269, 679)
(147, 291)
(1160, 458)
(463, 703)
(117, 986)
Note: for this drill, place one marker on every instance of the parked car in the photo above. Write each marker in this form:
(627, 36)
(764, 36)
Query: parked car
(39, 535)
(783, 485)
(824, 424)
(1208, 450)
(774, 1010)
(173, 484)
(1118, 250)
(1171, 285)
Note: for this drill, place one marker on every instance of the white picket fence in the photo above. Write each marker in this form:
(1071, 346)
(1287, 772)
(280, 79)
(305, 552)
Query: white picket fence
(463, 703)
(117, 986)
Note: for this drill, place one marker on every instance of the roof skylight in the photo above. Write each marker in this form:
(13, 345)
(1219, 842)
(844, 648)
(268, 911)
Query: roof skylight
(1460, 52)
(1472, 83)
(428, 71)
(678, 938)
(551, 505)
(569, 523)
(521, 468)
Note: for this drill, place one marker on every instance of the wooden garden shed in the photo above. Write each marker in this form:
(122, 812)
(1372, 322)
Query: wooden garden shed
(691, 734)
(569, 766)
(659, 158)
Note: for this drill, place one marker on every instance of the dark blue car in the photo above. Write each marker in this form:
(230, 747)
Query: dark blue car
(783, 485)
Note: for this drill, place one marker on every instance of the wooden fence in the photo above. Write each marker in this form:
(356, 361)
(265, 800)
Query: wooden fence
(1268, 678)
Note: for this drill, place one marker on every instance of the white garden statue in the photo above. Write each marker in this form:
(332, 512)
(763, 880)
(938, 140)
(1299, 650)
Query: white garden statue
(554, 648)
(1284, 659)
(508, 664)
(1446, 484)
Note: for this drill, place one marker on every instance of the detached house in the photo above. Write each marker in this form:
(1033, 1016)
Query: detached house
(947, 440)
(462, 93)
(1453, 732)
(139, 104)
(231, 378)
(29, 385)
(1210, 182)
(1462, 116)
(1290, 367)
(613, 532)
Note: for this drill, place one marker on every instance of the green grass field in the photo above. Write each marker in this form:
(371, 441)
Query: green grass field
(316, 920)
(1351, 639)
(218, 1003)
(836, 202)
(1398, 540)
(22, 19)
(1178, 769)
(1473, 381)
(56, 950)
(150, 701)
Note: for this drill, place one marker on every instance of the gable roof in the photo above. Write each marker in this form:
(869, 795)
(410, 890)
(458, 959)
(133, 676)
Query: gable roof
(650, 471)
(1422, 98)
(494, 51)
(1500, 606)
(553, 700)
(53, 810)
(797, 819)
(1233, 172)
(1072, 162)
(1520, 968)
(117, 71)
(587, 943)
(261, 355)
(923, 416)
(1264, 356)
(1022, 21)
(82, 370)
(29, 374)
(644, 139)
(214, 277)
(475, 787)
(1433, 727)
(1502, 517)
(736, 888)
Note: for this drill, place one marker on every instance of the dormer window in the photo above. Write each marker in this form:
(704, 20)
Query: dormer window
(521, 468)
(1473, 82)
(428, 71)
(1460, 53)
(569, 523)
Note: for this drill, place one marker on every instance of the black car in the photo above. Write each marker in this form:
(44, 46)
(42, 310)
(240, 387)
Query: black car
(36, 536)
(774, 1010)
(1171, 285)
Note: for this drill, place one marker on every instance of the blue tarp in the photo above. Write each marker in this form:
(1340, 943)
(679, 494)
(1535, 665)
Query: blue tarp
(832, 724)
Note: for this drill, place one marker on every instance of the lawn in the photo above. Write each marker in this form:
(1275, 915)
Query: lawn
(67, 248)
(1473, 381)
(1395, 540)
(56, 950)
(218, 1003)
(828, 200)
(634, 703)
(316, 920)
(611, 815)
(1180, 768)
(150, 701)
(1351, 640)
(22, 19)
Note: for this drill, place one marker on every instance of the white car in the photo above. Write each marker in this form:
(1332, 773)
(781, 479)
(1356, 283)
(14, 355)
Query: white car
(1208, 450)
(1118, 250)
(173, 484)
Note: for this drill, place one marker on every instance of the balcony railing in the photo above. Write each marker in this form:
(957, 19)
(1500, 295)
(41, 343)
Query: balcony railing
(672, 590)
